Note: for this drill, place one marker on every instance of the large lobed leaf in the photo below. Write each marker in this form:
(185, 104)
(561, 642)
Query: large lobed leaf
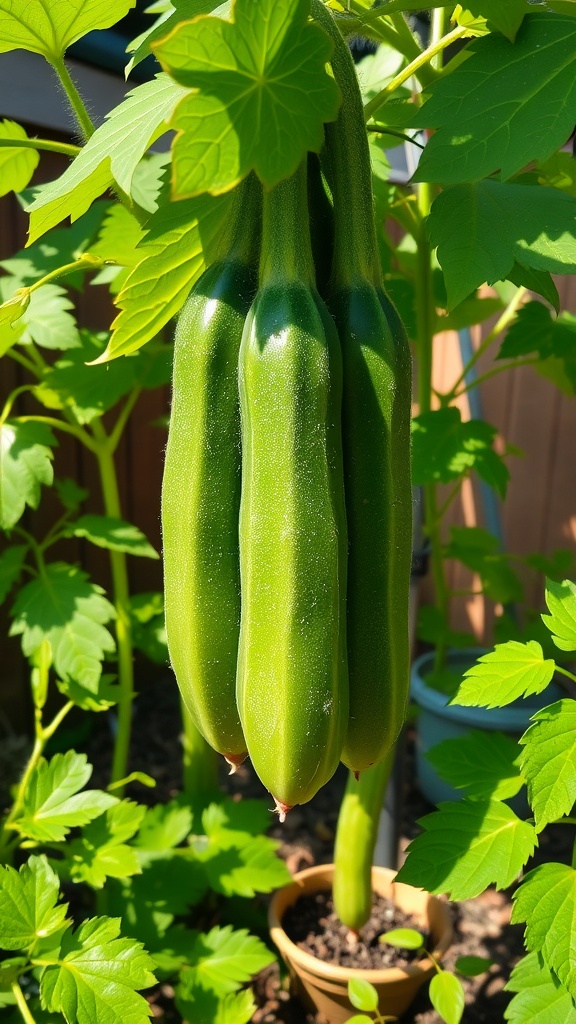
(50, 28)
(102, 851)
(260, 94)
(499, 109)
(561, 601)
(480, 762)
(482, 228)
(466, 847)
(444, 448)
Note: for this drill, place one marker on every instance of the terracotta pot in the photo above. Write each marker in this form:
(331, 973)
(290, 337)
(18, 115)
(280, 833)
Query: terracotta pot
(321, 986)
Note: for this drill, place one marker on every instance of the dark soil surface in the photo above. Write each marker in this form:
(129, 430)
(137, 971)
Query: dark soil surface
(482, 926)
(313, 925)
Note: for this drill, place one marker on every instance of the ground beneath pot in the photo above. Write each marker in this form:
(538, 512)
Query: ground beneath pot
(482, 926)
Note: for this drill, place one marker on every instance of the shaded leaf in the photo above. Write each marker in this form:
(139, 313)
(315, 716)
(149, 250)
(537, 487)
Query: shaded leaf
(25, 464)
(483, 763)
(549, 761)
(472, 966)
(546, 902)
(58, 247)
(200, 1004)
(164, 826)
(148, 627)
(534, 330)
(101, 852)
(498, 110)
(538, 281)
(479, 550)
(510, 671)
(467, 846)
(11, 562)
(444, 448)
(63, 607)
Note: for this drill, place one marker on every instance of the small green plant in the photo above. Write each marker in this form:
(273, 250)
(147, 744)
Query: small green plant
(445, 989)
(479, 841)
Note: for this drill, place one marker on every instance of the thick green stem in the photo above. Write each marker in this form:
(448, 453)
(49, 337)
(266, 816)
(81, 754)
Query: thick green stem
(356, 256)
(355, 841)
(285, 215)
(74, 98)
(66, 148)
(121, 594)
(22, 1004)
(200, 764)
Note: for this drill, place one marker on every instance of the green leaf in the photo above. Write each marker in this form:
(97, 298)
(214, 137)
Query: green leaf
(169, 17)
(180, 241)
(467, 846)
(433, 627)
(119, 236)
(96, 974)
(103, 697)
(472, 966)
(197, 1003)
(148, 626)
(482, 228)
(546, 901)
(360, 1018)
(404, 938)
(58, 247)
(505, 18)
(70, 494)
(111, 155)
(510, 671)
(470, 311)
(28, 899)
(164, 826)
(11, 562)
(10, 970)
(483, 763)
(549, 761)
(377, 69)
(535, 330)
(102, 852)
(239, 865)
(444, 448)
(25, 464)
(52, 802)
(478, 549)
(63, 607)
(244, 816)
(49, 29)
(171, 882)
(224, 959)
(561, 601)
(499, 109)
(267, 67)
(540, 999)
(47, 321)
(89, 391)
(113, 534)
(447, 997)
(16, 165)
(560, 169)
(538, 281)
(362, 994)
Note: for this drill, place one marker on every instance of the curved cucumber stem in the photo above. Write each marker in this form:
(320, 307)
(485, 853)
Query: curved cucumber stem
(286, 243)
(355, 841)
(356, 255)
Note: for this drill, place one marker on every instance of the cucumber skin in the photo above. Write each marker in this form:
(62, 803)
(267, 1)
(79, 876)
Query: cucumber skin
(292, 690)
(376, 441)
(201, 501)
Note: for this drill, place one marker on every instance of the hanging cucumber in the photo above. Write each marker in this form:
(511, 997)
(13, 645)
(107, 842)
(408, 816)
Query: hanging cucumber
(292, 687)
(376, 436)
(201, 486)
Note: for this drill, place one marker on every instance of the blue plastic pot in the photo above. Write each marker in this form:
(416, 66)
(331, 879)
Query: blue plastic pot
(437, 721)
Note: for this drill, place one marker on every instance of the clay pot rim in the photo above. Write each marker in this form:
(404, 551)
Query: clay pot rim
(314, 965)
